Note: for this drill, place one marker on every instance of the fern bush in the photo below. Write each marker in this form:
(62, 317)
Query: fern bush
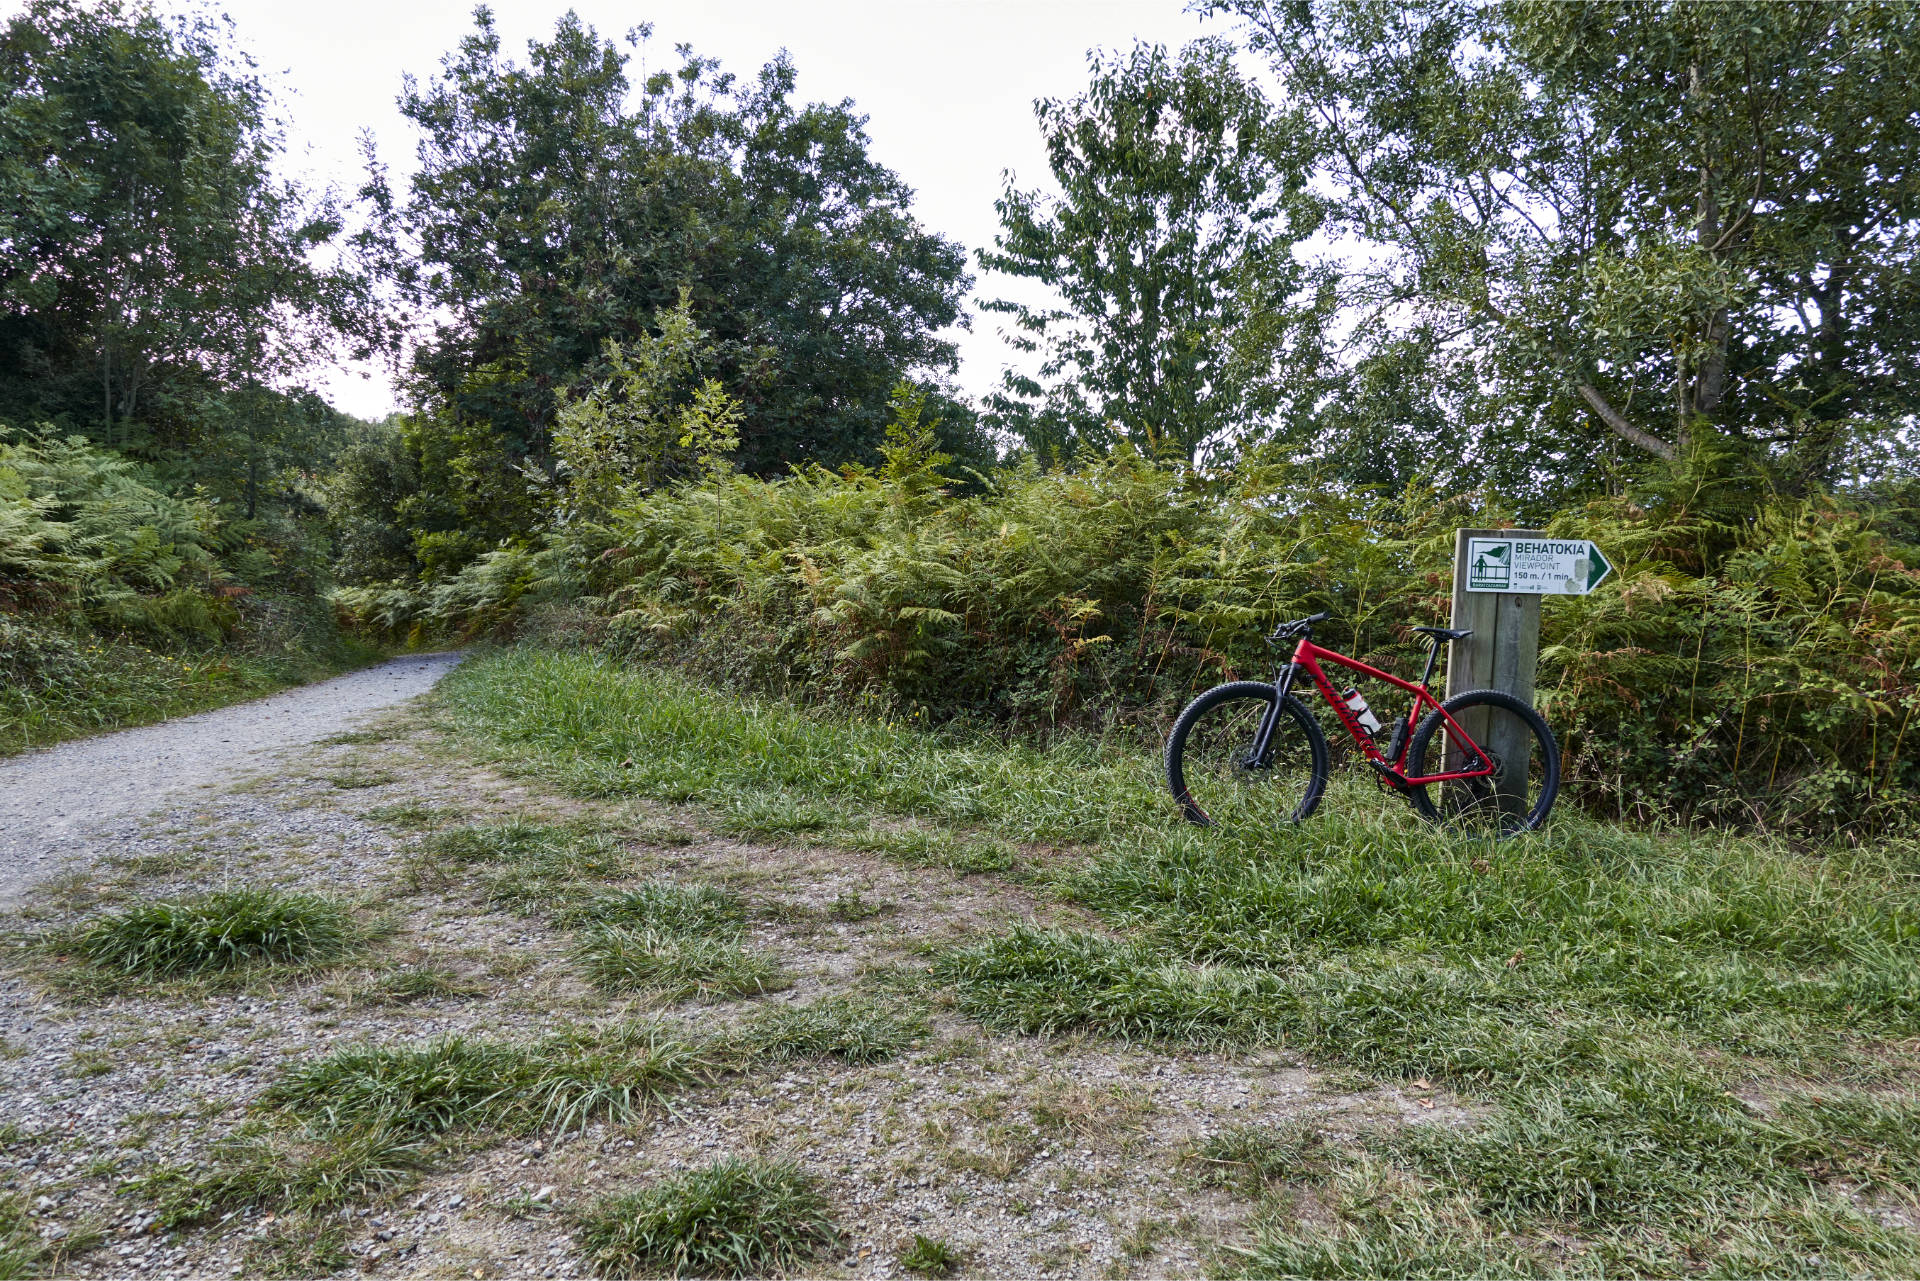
(1755, 660)
(121, 601)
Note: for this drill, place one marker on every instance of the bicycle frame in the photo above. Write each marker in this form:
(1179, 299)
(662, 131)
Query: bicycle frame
(1307, 656)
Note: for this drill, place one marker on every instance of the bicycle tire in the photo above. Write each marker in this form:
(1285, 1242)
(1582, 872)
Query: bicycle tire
(1472, 805)
(1203, 726)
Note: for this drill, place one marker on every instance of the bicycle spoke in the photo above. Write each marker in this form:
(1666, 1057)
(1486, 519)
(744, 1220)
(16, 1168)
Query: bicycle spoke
(1211, 762)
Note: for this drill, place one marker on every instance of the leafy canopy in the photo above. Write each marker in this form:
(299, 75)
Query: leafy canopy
(1604, 229)
(150, 262)
(1169, 250)
(559, 209)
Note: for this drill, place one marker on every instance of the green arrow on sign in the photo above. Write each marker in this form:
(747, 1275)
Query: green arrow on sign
(1598, 567)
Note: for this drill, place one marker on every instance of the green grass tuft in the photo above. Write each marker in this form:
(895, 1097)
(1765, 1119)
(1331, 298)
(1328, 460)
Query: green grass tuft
(736, 1218)
(355, 779)
(410, 814)
(412, 983)
(22, 1251)
(1253, 1158)
(213, 934)
(524, 866)
(312, 1168)
(612, 1076)
(674, 967)
(301, 1246)
(930, 1257)
(850, 1029)
(450, 1083)
(565, 1082)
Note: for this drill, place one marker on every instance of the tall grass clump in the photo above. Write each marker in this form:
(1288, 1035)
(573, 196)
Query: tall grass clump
(735, 1218)
(850, 1029)
(215, 933)
(367, 1119)
(674, 966)
(320, 1167)
(564, 1081)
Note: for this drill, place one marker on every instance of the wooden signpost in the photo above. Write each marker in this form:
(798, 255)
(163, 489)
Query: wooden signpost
(1499, 576)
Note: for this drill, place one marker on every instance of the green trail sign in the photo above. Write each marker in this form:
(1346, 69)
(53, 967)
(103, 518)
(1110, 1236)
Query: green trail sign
(1535, 566)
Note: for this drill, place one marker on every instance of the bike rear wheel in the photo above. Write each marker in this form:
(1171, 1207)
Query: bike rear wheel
(1517, 796)
(1209, 759)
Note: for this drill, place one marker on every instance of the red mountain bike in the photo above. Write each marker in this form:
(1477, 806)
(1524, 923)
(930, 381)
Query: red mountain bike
(1249, 751)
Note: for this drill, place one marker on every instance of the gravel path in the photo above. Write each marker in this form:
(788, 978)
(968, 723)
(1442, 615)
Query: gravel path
(49, 800)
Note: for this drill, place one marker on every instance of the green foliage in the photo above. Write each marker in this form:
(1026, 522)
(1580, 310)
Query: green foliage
(1746, 665)
(420, 983)
(1253, 1157)
(314, 1168)
(601, 729)
(666, 905)
(22, 1252)
(674, 966)
(524, 866)
(1683, 1048)
(567, 1081)
(735, 1218)
(121, 602)
(300, 1247)
(1170, 252)
(930, 1256)
(83, 528)
(647, 423)
(371, 479)
(561, 208)
(156, 279)
(215, 933)
(1608, 231)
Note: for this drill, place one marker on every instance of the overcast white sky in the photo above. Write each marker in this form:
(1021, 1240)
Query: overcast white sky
(948, 86)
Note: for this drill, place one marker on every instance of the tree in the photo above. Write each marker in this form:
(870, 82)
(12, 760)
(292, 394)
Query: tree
(1169, 247)
(1628, 229)
(150, 263)
(552, 216)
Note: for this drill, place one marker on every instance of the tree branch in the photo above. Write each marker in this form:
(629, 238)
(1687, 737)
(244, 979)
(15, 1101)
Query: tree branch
(1622, 428)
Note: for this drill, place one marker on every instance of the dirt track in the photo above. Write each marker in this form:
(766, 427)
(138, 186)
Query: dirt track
(49, 800)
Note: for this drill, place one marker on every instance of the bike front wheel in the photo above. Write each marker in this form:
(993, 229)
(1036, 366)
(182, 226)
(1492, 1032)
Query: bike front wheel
(1519, 793)
(1210, 764)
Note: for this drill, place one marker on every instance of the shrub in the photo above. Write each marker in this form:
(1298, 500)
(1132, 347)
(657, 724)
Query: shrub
(1753, 660)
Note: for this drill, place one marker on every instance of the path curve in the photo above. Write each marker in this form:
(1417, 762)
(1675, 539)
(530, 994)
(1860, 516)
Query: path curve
(49, 798)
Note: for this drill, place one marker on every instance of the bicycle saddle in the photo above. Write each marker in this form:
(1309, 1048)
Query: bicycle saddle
(1447, 633)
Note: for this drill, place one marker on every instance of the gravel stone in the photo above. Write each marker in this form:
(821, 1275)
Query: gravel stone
(50, 799)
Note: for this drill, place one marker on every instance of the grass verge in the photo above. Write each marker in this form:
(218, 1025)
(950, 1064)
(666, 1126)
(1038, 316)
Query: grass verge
(1691, 1051)
(125, 684)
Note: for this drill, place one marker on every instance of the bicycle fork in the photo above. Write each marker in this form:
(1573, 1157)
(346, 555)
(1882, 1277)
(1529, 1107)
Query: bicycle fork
(1260, 756)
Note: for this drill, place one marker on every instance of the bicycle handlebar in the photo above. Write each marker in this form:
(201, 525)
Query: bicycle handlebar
(1299, 625)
